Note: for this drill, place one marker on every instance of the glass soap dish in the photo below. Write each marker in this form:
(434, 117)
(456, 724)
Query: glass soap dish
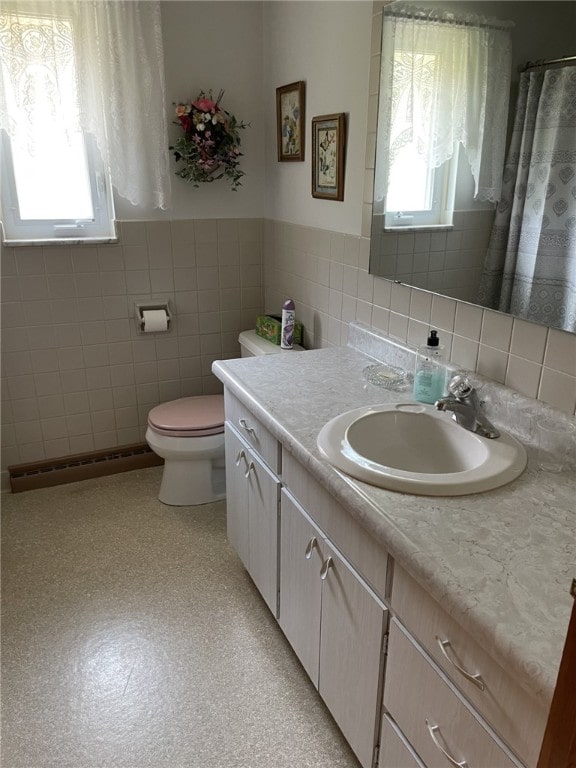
(388, 377)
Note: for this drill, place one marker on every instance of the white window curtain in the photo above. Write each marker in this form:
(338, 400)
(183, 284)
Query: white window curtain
(118, 53)
(445, 79)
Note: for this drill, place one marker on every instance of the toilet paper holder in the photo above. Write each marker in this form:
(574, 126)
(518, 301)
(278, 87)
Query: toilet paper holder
(141, 308)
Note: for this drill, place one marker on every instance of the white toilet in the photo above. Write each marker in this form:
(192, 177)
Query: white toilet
(188, 434)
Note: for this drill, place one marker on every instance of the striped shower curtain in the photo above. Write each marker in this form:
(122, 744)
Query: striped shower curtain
(530, 266)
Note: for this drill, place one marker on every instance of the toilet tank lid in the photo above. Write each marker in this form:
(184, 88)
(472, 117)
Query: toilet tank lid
(259, 346)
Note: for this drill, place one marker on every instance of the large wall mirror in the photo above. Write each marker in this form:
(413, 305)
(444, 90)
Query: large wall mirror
(457, 258)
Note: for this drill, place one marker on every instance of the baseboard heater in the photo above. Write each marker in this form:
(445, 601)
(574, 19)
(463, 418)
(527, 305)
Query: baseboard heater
(81, 466)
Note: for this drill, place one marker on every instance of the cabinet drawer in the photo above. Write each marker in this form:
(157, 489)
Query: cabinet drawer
(255, 434)
(395, 752)
(517, 718)
(432, 715)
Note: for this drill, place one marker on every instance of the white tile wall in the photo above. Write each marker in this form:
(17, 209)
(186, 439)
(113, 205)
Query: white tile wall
(537, 361)
(448, 262)
(76, 374)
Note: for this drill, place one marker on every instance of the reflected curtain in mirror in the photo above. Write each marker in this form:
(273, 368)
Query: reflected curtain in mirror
(445, 81)
(530, 267)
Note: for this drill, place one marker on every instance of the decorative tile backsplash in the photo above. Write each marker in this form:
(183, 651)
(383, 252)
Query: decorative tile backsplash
(326, 273)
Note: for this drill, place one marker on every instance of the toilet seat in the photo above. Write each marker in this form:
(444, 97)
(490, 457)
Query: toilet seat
(194, 470)
(198, 416)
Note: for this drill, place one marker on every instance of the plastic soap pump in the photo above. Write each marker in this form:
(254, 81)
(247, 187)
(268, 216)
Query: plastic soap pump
(430, 371)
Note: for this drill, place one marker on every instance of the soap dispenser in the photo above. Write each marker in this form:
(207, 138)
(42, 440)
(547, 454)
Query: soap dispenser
(430, 371)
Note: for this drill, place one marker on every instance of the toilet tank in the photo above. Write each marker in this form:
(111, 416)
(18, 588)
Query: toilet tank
(252, 345)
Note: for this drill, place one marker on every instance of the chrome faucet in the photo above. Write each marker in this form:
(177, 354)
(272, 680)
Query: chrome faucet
(462, 400)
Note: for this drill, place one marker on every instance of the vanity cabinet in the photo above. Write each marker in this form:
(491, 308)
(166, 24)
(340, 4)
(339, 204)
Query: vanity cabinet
(333, 619)
(423, 694)
(335, 623)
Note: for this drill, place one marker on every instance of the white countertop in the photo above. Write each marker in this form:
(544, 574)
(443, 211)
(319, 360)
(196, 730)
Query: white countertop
(501, 562)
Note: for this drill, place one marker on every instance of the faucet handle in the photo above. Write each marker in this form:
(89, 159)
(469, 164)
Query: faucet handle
(460, 386)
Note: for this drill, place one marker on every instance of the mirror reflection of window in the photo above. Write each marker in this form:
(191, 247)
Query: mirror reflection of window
(418, 192)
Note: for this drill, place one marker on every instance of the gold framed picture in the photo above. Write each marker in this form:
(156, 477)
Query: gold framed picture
(328, 141)
(290, 121)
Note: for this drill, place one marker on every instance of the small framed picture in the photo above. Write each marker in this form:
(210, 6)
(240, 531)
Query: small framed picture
(328, 140)
(290, 125)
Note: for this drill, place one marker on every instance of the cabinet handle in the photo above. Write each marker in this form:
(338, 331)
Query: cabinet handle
(239, 458)
(245, 426)
(309, 549)
(432, 730)
(326, 565)
(250, 468)
(475, 679)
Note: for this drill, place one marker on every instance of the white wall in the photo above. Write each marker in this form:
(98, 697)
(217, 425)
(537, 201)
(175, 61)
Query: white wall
(326, 44)
(214, 45)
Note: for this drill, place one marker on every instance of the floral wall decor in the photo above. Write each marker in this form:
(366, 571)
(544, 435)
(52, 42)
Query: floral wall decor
(210, 147)
(328, 137)
(290, 109)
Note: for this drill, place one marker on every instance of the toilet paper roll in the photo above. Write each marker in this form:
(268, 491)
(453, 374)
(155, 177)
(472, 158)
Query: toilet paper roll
(155, 320)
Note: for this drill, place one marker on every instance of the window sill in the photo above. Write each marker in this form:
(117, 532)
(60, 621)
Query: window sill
(421, 228)
(60, 241)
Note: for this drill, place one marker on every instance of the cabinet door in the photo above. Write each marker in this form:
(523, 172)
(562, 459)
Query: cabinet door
(237, 496)
(301, 558)
(263, 510)
(351, 634)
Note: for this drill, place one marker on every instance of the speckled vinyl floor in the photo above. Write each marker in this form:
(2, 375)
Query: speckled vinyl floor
(133, 637)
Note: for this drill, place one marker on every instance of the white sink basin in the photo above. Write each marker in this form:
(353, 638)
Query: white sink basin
(414, 448)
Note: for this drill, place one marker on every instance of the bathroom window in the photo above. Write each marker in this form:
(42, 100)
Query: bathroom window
(54, 184)
(445, 82)
(77, 116)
